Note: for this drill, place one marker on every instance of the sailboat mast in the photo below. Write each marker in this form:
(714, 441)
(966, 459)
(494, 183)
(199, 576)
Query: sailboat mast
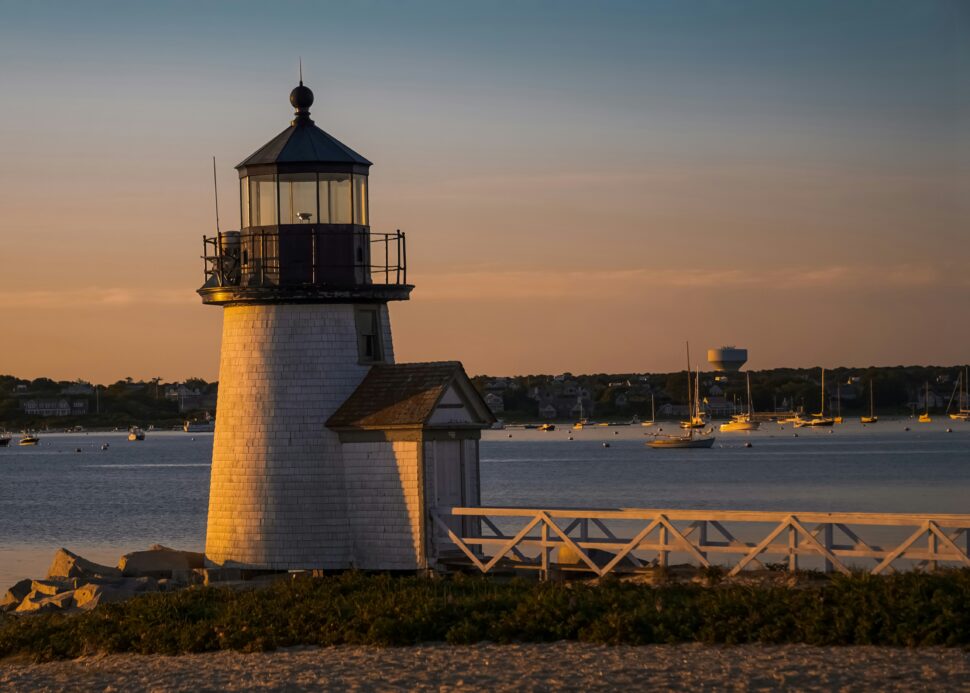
(823, 392)
(872, 406)
(690, 409)
(749, 395)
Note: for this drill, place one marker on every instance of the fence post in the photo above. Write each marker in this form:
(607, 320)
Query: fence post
(792, 549)
(827, 543)
(662, 554)
(544, 573)
(933, 548)
(702, 538)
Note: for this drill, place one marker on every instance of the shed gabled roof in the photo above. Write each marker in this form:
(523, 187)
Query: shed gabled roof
(304, 143)
(404, 395)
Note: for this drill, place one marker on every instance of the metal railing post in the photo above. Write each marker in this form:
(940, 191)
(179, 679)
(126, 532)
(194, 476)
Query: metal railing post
(827, 543)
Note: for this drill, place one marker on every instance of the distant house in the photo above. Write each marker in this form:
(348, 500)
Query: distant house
(547, 411)
(497, 385)
(78, 388)
(55, 406)
(495, 402)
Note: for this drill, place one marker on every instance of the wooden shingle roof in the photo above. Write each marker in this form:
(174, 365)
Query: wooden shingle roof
(405, 395)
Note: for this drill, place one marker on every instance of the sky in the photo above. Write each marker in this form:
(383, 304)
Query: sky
(584, 186)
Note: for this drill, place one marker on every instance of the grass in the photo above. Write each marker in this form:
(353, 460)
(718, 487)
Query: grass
(909, 609)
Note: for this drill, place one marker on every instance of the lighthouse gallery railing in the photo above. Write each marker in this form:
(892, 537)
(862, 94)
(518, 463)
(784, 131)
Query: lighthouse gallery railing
(632, 539)
(253, 258)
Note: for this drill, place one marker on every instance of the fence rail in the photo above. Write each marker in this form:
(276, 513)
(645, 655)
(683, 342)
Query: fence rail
(633, 539)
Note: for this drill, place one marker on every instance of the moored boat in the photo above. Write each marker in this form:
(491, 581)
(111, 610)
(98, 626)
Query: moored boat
(872, 418)
(547, 427)
(29, 439)
(686, 441)
(745, 421)
(925, 416)
(135, 433)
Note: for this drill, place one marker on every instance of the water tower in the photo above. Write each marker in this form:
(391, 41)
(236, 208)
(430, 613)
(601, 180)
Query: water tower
(304, 286)
(727, 359)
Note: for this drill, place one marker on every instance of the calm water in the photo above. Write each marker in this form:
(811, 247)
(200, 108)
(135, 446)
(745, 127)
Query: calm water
(104, 503)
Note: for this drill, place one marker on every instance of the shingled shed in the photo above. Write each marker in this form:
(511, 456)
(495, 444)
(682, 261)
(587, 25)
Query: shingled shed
(410, 435)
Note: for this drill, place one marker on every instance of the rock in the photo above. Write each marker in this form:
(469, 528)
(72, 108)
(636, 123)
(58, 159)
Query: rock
(52, 587)
(92, 594)
(37, 602)
(11, 600)
(160, 561)
(70, 565)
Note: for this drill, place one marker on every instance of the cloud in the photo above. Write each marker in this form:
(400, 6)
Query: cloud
(93, 297)
(492, 284)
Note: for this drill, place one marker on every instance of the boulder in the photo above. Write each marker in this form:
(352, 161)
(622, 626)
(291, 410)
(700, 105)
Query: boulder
(70, 565)
(91, 594)
(36, 602)
(52, 587)
(160, 561)
(11, 600)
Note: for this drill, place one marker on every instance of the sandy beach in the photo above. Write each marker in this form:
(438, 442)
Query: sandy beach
(561, 666)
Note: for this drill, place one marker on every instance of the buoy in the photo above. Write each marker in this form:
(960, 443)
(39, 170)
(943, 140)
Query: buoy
(606, 445)
(570, 437)
(747, 445)
(906, 429)
(949, 430)
(794, 435)
(77, 449)
(104, 447)
(510, 435)
(616, 433)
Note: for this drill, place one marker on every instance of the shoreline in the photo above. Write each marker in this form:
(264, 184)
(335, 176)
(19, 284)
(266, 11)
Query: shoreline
(563, 665)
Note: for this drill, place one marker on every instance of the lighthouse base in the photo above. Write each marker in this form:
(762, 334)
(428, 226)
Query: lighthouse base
(278, 493)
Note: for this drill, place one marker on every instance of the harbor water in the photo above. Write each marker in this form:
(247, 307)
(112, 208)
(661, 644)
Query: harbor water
(69, 492)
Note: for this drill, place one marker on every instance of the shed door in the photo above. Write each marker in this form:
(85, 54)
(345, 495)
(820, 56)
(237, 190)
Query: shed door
(448, 481)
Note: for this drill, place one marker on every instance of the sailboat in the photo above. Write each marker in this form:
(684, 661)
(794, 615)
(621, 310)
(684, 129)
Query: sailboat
(818, 419)
(872, 418)
(838, 403)
(925, 416)
(653, 413)
(963, 397)
(743, 422)
(698, 419)
(687, 440)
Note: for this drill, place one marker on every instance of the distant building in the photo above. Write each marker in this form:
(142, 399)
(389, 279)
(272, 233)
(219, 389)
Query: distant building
(78, 388)
(547, 411)
(55, 406)
(495, 402)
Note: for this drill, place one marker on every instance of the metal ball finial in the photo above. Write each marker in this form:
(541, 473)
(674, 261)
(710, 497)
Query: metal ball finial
(301, 99)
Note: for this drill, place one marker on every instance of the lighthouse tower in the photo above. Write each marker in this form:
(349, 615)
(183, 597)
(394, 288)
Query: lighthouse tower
(305, 286)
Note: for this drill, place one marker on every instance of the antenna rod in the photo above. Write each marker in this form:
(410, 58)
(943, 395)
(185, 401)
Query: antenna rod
(215, 186)
(301, 69)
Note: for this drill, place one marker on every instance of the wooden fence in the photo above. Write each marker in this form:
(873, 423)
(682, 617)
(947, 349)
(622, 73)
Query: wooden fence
(631, 539)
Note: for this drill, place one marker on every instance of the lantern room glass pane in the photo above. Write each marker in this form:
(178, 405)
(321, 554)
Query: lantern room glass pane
(298, 198)
(360, 200)
(262, 200)
(244, 202)
(335, 198)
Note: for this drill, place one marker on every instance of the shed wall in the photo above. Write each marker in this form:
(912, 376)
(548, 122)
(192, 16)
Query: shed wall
(384, 504)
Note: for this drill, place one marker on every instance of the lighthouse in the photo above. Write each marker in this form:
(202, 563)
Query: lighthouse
(327, 454)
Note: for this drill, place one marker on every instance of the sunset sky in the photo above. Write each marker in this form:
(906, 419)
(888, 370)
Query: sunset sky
(584, 185)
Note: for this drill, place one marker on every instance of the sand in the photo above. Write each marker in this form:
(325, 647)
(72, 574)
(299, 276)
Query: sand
(559, 666)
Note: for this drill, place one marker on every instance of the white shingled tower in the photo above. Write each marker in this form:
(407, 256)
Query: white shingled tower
(304, 287)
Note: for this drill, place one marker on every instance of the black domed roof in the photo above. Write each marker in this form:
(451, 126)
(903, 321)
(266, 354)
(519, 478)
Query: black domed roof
(303, 146)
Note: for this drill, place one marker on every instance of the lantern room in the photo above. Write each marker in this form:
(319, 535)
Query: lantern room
(304, 225)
